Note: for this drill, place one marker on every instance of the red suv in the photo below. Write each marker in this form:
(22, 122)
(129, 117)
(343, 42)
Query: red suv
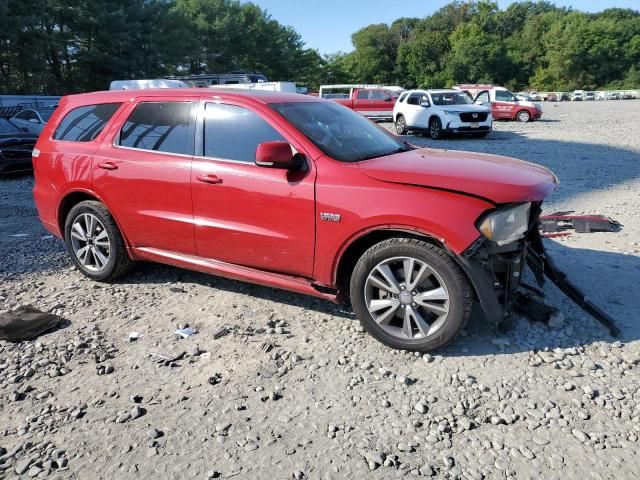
(293, 192)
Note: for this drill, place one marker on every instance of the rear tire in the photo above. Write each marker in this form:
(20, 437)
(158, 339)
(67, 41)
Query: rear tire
(401, 125)
(429, 307)
(94, 242)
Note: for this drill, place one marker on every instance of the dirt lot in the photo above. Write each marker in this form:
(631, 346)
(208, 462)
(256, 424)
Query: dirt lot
(327, 401)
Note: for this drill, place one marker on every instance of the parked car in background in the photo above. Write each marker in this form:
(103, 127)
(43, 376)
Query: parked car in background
(409, 235)
(535, 96)
(615, 96)
(373, 101)
(204, 80)
(16, 146)
(523, 96)
(626, 96)
(578, 96)
(589, 96)
(565, 97)
(32, 120)
(504, 104)
(552, 97)
(439, 113)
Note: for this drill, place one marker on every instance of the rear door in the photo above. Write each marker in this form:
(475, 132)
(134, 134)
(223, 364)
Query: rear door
(416, 114)
(362, 101)
(246, 214)
(143, 173)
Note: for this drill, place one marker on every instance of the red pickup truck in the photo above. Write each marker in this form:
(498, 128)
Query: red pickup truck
(373, 101)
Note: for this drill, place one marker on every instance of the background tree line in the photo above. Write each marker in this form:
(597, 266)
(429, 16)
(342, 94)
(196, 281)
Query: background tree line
(65, 46)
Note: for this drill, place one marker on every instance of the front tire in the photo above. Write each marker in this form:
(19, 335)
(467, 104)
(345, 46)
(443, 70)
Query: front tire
(410, 294)
(523, 116)
(435, 128)
(94, 242)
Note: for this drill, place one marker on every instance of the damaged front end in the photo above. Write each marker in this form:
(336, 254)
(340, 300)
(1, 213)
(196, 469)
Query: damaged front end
(495, 269)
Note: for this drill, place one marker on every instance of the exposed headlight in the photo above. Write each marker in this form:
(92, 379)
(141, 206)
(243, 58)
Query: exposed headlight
(506, 225)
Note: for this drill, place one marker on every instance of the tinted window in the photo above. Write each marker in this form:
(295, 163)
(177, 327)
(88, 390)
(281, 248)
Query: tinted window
(401, 99)
(414, 99)
(504, 96)
(363, 94)
(7, 127)
(379, 95)
(27, 115)
(161, 126)
(84, 124)
(234, 133)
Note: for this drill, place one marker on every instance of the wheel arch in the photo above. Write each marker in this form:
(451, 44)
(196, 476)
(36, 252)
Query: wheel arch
(72, 198)
(349, 256)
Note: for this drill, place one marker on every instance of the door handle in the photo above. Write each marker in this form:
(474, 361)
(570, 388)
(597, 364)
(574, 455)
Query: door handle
(211, 179)
(108, 166)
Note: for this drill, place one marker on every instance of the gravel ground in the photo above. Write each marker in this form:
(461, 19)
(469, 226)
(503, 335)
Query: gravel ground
(295, 389)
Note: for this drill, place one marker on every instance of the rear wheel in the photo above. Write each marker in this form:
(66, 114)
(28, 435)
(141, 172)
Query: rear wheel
(410, 294)
(94, 242)
(523, 116)
(435, 128)
(401, 125)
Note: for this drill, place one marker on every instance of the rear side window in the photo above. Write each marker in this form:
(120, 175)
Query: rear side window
(234, 133)
(160, 126)
(84, 124)
(363, 94)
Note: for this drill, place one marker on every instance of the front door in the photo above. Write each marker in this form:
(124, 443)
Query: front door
(504, 105)
(362, 102)
(246, 214)
(143, 173)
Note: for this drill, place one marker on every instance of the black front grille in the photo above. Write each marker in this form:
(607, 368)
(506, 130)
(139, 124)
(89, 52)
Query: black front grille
(473, 116)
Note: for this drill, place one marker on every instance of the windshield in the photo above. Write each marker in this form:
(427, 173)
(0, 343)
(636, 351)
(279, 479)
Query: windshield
(451, 98)
(340, 132)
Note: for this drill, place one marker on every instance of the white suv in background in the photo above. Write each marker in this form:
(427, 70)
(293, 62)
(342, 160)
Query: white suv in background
(440, 112)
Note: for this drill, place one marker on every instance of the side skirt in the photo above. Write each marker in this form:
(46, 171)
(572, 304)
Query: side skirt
(232, 271)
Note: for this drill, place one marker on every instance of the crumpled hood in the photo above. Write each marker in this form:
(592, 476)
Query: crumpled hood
(495, 178)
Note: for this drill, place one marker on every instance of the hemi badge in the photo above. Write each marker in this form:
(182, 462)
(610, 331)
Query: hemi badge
(330, 217)
(35, 153)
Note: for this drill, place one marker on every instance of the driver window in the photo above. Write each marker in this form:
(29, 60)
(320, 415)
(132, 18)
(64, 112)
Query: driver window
(234, 133)
(483, 97)
(379, 95)
(363, 95)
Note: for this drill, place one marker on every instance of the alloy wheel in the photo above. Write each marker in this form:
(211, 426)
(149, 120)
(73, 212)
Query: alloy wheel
(407, 298)
(90, 242)
(400, 126)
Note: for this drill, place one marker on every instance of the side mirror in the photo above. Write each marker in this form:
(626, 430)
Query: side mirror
(387, 98)
(277, 155)
(425, 104)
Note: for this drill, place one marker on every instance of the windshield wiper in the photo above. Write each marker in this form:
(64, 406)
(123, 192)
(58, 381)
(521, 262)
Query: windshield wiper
(405, 148)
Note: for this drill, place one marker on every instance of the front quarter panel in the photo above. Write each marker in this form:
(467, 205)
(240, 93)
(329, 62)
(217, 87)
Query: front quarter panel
(365, 204)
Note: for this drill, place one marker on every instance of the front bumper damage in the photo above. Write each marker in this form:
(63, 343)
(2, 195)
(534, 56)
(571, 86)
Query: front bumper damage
(496, 274)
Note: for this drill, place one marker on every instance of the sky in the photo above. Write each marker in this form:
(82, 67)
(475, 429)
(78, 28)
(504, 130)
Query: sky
(327, 25)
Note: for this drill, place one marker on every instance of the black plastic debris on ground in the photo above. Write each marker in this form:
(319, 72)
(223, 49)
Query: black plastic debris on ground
(26, 323)
(563, 221)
